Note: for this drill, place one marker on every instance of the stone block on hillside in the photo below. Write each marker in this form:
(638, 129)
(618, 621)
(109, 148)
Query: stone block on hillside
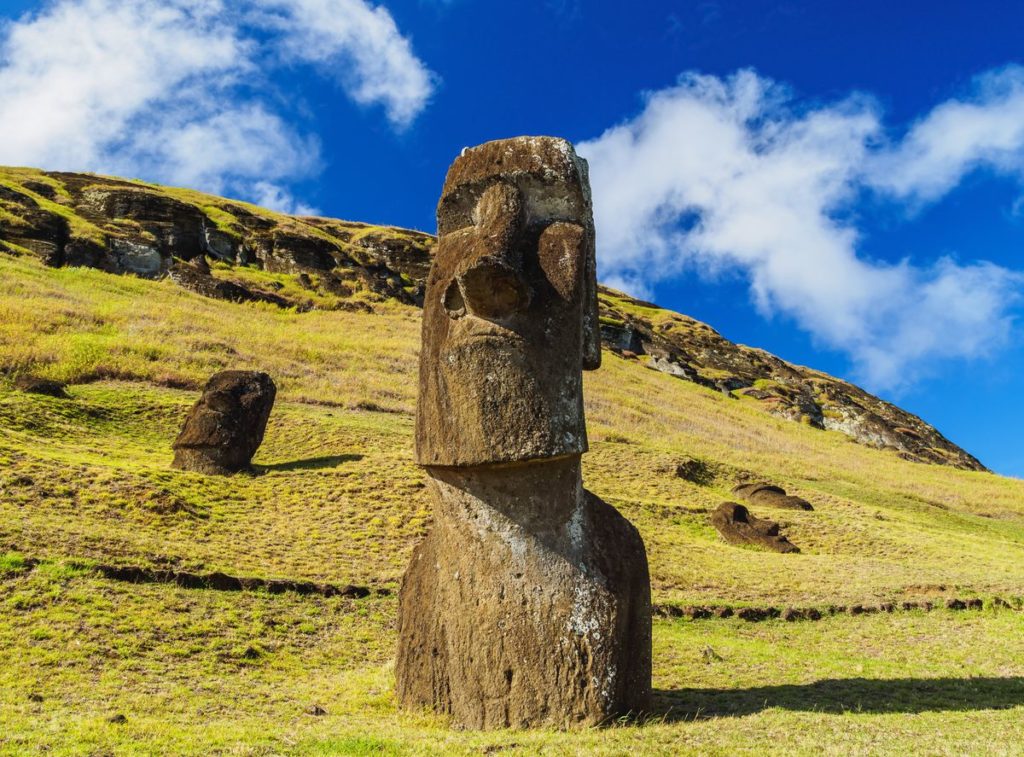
(225, 427)
(737, 525)
(770, 495)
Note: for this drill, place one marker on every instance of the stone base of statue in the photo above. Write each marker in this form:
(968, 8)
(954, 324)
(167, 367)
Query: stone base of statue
(527, 605)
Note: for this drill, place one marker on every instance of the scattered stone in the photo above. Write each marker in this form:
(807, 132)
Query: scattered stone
(696, 613)
(225, 427)
(528, 603)
(770, 495)
(316, 711)
(48, 388)
(738, 526)
(752, 614)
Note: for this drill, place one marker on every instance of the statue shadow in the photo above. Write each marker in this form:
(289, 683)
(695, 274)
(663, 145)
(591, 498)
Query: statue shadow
(309, 463)
(842, 695)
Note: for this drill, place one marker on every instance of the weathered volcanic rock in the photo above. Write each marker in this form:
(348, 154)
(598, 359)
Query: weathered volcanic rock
(225, 427)
(771, 496)
(737, 526)
(199, 279)
(528, 603)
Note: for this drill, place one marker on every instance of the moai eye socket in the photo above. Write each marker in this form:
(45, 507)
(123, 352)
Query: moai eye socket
(452, 300)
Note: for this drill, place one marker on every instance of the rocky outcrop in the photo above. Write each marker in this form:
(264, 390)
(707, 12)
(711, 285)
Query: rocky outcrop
(130, 227)
(692, 351)
(528, 603)
(198, 278)
(737, 525)
(225, 427)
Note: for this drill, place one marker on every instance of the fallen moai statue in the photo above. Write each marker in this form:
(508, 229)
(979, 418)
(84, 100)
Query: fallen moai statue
(528, 603)
(770, 495)
(738, 526)
(225, 427)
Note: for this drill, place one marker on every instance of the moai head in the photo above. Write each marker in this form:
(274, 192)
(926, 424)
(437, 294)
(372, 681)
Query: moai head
(225, 427)
(510, 314)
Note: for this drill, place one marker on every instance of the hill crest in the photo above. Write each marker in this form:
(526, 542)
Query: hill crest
(130, 227)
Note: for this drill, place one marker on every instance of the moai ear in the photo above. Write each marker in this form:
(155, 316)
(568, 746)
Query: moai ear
(591, 324)
(563, 257)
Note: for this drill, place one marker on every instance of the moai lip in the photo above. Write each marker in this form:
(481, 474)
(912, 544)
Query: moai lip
(528, 604)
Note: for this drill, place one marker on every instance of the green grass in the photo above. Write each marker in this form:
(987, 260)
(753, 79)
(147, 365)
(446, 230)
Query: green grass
(205, 672)
(335, 498)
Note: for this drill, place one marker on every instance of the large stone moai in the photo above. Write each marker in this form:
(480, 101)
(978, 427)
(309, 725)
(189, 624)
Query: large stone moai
(529, 601)
(225, 427)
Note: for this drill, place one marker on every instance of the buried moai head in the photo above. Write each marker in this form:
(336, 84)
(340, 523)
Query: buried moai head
(510, 315)
(225, 427)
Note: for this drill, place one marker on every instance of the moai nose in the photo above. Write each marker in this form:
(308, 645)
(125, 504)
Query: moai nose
(493, 289)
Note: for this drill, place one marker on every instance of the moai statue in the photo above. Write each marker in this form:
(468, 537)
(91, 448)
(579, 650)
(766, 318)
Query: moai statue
(528, 603)
(225, 427)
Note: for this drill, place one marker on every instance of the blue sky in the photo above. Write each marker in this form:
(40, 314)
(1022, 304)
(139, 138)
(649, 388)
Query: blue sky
(838, 183)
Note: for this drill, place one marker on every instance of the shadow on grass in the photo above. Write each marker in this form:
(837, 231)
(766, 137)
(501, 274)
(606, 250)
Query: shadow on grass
(899, 695)
(310, 463)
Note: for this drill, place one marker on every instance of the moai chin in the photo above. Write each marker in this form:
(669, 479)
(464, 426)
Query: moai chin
(528, 603)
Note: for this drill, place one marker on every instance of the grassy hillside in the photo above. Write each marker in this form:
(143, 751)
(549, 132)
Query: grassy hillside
(86, 482)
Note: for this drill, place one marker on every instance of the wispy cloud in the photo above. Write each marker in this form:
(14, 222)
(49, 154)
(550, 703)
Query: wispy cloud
(733, 173)
(172, 90)
(984, 129)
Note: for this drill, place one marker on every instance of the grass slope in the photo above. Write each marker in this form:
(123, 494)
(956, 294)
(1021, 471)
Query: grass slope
(335, 498)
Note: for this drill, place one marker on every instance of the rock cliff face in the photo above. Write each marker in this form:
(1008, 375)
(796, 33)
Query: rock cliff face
(130, 227)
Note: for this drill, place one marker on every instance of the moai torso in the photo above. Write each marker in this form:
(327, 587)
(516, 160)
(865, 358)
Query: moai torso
(529, 602)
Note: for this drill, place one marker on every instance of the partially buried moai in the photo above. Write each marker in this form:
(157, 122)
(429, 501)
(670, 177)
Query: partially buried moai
(528, 603)
(225, 427)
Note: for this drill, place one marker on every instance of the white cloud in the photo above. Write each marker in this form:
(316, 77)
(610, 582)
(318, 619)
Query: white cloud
(730, 174)
(170, 90)
(277, 198)
(984, 129)
(363, 47)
